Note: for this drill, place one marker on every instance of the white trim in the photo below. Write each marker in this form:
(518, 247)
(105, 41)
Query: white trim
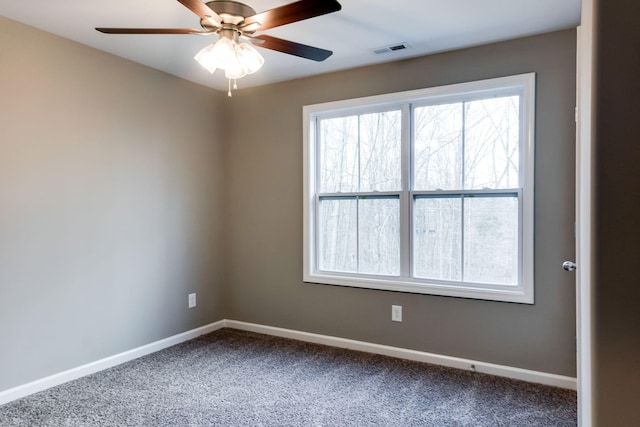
(434, 94)
(308, 214)
(11, 394)
(583, 213)
(418, 356)
(523, 292)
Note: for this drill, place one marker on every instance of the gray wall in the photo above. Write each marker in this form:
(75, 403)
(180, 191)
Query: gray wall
(263, 216)
(616, 232)
(111, 180)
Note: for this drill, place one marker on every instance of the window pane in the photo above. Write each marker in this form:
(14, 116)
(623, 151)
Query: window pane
(380, 151)
(491, 240)
(337, 235)
(492, 132)
(379, 236)
(437, 238)
(437, 147)
(339, 155)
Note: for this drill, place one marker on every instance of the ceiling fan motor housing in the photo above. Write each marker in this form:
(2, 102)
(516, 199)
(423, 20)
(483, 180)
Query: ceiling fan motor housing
(232, 12)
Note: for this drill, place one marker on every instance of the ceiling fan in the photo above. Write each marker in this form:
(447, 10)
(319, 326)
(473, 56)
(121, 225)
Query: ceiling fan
(233, 21)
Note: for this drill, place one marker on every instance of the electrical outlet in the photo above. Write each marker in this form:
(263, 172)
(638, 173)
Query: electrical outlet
(396, 313)
(192, 300)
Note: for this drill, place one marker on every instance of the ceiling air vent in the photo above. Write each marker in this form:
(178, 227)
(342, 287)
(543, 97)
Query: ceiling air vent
(390, 48)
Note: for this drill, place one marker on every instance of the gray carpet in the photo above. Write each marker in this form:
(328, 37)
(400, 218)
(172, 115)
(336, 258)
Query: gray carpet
(235, 378)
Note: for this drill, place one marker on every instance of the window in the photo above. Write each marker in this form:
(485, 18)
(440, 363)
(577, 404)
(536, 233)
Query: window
(427, 191)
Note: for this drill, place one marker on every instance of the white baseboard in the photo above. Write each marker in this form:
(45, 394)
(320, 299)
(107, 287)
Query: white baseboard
(11, 394)
(419, 356)
(102, 364)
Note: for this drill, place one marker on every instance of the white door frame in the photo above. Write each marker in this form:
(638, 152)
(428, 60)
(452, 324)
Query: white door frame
(583, 213)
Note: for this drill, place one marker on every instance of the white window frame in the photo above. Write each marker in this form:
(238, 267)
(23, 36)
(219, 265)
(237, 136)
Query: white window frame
(523, 85)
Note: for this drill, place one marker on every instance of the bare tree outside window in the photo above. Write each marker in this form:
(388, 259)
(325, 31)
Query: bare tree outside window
(491, 141)
(464, 146)
(437, 147)
(359, 155)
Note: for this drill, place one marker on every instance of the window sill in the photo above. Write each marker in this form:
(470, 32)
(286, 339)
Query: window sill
(515, 294)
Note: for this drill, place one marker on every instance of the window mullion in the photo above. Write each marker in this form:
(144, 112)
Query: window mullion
(359, 161)
(405, 199)
(462, 231)
(358, 234)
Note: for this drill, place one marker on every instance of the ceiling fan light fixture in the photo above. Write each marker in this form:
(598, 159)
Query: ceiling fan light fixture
(234, 70)
(207, 58)
(235, 57)
(224, 52)
(249, 57)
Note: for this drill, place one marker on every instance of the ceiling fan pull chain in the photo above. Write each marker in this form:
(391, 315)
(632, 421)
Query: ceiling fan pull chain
(235, 84)
(229, 93)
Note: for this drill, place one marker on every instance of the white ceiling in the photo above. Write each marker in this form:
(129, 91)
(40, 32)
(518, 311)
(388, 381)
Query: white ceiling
(428, 26)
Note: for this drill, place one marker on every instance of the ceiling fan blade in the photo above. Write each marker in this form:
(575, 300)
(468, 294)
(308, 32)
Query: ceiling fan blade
(151, 31)
(292, 48)
(202, 10)
(293, 12)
